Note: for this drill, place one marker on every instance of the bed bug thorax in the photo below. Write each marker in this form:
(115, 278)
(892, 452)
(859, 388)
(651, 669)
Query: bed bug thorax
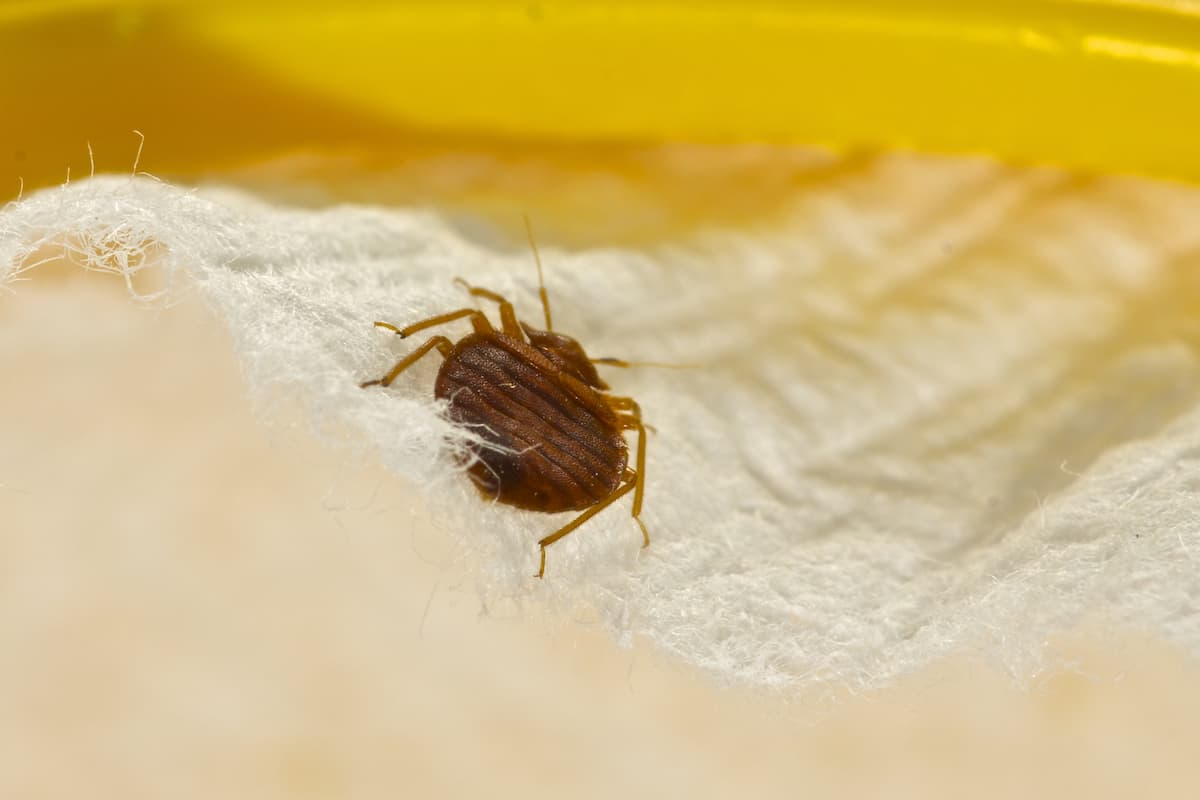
(552, 436)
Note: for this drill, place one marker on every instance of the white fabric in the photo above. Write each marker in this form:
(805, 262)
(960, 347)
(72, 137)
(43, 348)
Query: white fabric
(945, 407)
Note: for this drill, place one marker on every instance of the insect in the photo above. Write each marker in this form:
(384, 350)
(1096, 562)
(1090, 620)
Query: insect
(553, 435)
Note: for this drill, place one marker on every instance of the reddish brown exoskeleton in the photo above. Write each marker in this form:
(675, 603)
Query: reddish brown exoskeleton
(554, 434)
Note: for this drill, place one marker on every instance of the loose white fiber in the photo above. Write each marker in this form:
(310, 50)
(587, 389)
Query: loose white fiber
(945, 406)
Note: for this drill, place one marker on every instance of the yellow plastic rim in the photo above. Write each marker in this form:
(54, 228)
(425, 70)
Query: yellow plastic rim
(1091, 84)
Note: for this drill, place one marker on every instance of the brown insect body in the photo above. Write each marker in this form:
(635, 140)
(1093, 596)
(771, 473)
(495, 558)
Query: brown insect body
(552, 444)
(553, 437)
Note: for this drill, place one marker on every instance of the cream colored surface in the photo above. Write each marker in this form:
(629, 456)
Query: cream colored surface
(192, 605)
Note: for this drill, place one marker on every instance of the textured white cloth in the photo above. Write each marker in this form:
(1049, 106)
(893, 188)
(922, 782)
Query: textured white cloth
(945, 406)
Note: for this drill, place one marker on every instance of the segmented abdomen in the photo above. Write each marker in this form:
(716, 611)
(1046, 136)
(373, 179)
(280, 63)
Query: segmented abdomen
(553, 452)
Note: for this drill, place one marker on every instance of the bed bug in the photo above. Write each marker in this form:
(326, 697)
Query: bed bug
(553, 436)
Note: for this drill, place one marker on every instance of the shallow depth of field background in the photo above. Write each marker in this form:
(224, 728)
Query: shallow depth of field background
(192, 604)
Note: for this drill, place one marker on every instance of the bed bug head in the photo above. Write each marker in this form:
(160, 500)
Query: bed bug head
(566, 353)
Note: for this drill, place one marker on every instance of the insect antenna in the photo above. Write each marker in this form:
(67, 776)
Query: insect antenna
(541, 278)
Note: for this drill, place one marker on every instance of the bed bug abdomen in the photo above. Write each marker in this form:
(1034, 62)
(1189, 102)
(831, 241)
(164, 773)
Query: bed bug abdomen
(551, 448)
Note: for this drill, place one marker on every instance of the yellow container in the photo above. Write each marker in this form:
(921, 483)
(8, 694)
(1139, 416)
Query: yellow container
(1092, 84)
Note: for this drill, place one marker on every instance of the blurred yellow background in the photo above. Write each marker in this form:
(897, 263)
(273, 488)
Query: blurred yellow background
(1092, 84)
(281, 645)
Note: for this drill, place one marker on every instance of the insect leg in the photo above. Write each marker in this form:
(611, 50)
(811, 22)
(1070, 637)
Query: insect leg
(620, 362)
(477, 319)
(443, 345)
(625, 404)
(508, 317)
(635, 423)
(628, 406)
(617, 494)
(612, 362)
